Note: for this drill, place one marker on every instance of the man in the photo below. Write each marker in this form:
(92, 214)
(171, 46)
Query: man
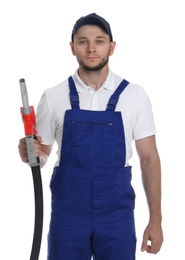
(94, 116)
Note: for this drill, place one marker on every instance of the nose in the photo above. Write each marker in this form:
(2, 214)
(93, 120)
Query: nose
(91, 48)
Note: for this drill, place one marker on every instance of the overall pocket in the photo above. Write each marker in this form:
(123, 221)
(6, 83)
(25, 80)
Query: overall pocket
(122, 205)
(92, 144)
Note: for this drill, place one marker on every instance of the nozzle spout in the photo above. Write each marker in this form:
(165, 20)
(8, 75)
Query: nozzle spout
(24, 94)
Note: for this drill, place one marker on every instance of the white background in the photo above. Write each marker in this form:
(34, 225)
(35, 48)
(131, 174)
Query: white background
(150, 52)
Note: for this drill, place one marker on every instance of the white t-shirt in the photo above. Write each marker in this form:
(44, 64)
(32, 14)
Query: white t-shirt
(133, 103)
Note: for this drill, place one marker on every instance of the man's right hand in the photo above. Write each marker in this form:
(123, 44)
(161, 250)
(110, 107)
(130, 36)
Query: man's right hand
(23, 149)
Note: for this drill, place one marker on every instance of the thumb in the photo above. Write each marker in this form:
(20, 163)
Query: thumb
(144, 245)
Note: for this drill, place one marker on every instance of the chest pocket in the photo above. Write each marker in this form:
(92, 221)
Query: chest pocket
(93, 144)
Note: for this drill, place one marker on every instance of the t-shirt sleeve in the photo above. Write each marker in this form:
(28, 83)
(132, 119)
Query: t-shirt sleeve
(45, 125)
(144, 123)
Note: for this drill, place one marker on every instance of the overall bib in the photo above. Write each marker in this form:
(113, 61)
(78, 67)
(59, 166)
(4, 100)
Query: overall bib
(92, 197)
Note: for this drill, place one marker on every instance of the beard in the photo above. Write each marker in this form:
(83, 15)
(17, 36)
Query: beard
(96, 67)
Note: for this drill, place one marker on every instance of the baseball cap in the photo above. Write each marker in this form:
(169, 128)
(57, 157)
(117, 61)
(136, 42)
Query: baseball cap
(93, 19)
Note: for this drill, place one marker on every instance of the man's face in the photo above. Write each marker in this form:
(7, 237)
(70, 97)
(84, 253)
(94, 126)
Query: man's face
(92, 47)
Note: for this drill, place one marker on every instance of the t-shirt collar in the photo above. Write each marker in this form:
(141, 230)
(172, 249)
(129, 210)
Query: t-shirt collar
(107, 84)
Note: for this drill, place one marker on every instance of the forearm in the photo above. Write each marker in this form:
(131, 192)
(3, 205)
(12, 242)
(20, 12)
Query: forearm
(151, 177)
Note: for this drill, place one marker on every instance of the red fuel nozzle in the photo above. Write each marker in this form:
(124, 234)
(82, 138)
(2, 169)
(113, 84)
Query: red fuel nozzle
(29, 121)
(28, 113)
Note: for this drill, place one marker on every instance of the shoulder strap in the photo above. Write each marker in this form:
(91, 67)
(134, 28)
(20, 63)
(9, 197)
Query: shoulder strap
(73, 94)
(115, 96)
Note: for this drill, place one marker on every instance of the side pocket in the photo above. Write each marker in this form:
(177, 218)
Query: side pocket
(53, 178)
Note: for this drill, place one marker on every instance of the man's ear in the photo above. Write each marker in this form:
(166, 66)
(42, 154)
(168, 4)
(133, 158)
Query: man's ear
(112, 48)
(72, 48)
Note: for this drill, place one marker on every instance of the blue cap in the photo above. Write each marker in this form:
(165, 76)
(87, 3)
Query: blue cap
(93, 19)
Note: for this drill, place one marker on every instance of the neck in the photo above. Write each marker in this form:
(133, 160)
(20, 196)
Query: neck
(93, 79)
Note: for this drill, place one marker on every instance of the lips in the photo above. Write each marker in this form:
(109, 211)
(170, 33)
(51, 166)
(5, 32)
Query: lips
(91, 57)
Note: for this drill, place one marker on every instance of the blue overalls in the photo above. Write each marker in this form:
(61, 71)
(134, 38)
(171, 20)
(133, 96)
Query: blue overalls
(92, 197)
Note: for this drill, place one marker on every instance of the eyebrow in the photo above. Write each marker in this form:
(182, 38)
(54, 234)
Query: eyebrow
(97, 37)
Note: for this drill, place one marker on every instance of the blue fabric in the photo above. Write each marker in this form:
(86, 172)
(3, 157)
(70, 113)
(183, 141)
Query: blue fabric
(92, 197)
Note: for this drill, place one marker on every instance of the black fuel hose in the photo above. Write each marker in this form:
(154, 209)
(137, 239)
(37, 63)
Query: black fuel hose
(38, 193)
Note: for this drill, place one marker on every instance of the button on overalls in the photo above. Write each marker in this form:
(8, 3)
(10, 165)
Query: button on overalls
(92, 197)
